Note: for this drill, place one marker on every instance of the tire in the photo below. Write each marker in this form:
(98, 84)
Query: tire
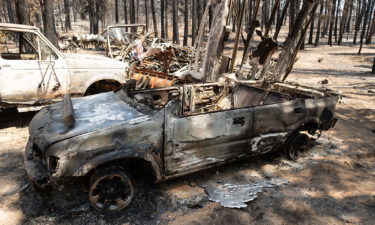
(296, 144)
(111, 190)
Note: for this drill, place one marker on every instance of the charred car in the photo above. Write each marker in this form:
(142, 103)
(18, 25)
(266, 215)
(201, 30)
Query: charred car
(169, 132)
(33, 71)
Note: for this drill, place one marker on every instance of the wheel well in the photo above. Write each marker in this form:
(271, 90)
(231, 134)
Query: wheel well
(311, 127)
(102, 86)
(139, 169)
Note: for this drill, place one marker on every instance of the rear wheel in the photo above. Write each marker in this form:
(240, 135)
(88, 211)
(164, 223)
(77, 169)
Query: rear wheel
(111, 190)
(296, 144)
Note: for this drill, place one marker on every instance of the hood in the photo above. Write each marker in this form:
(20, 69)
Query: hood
(86, 61)
(91, 113)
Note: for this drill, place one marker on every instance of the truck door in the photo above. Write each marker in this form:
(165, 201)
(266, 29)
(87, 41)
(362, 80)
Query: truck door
(199, 141)
(29, 68)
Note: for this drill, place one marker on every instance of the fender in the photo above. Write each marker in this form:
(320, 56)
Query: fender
(310, 119)
(117, 155)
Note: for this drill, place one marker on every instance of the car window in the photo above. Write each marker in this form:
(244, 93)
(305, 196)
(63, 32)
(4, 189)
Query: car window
(24, 46)
(18, 45)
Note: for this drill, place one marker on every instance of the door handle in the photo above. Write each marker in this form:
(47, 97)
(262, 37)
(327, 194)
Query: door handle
(239, 120)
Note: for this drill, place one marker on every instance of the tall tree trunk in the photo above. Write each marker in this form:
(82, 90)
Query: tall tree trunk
(364, 28)
(280, 22)
(167, 19)
(155, 23)
(176, 38)
(359, 21)
(318, 28)
(11, 10)
(337, 18)
(68, 25)
(186, 23)
(162, 24)
(331, 22)
(126, 11)
(146, 14)
(310, 41)
(349, 20)
(199, 11)
(344, 20)
(193, 21)
(291, 14)
(49, 22)
(22, 13)
(132, 14)
(117, 19)
(369, 19)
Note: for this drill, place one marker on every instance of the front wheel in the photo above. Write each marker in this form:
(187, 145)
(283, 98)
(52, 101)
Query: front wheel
(111, 190)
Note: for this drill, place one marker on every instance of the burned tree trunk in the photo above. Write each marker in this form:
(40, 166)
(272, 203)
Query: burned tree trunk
(193, 21)
(68, 25)
(217, 32)
(337, 18)
(11, 10)
(146, 15)
(186, 23)
(311, 32)
(176, 38)
(116, 11)
(291, 14)
(155, 23)
(331, 22)
(49, 22)
(132, 14)
(318, 28)
(359, 21)
(125, 12)
(280, 21)
(364, 28)
(162, 24)
(22, 14)
(294, 40)
(344, 20)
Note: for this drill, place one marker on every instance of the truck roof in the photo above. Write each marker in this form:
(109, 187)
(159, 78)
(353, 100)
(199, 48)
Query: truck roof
(17, 26)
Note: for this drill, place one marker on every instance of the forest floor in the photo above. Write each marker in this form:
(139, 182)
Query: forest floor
(333, 184)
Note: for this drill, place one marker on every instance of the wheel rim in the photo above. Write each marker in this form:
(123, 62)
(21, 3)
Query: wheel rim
(111, 193)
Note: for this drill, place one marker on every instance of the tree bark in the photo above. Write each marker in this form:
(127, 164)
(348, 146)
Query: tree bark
(318, 28)
(11, 9)
(359, 21)
(132, 14)
(344, 20)
(22, 13)
(331, 22)
(162, 24)
(310, 41)
(49, 22)
(364, 29)
(186, 23)
(117, 19)
(193, 21)
(146, 15)
(154, 21)
(337, 18)
(68, 25)
(125, 11)
(176, 38)
(291, 14)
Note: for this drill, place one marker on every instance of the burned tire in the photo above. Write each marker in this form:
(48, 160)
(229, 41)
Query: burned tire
(111, 190)
(296, 144)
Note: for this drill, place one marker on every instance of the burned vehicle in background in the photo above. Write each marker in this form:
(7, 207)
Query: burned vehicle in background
(33, 71)
(170, 132)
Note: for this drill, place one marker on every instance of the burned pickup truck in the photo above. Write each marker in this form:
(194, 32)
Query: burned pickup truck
(169, 132)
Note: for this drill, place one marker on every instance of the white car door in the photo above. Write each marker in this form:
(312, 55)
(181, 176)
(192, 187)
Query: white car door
(30, 74)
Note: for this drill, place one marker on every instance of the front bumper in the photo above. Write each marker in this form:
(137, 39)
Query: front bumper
(36, 169)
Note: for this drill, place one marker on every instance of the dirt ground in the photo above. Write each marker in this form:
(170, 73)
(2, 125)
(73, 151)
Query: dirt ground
(333, 184)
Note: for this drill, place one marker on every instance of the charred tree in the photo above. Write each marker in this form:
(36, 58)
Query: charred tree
(344, 20)
(49, 22)
(337, 18)
(310, 41)
(117, 19)
(132, 14)
(318, 27)
(193, 21)
(367, 13)
(359, 21)
(11, 10)
(331, 22)
(291, 14)
(125, 11)
(176, 38)
(162, 24)
(22, 13)
(146, 15)
(154, 22)
(68, 25)
(186, 23)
